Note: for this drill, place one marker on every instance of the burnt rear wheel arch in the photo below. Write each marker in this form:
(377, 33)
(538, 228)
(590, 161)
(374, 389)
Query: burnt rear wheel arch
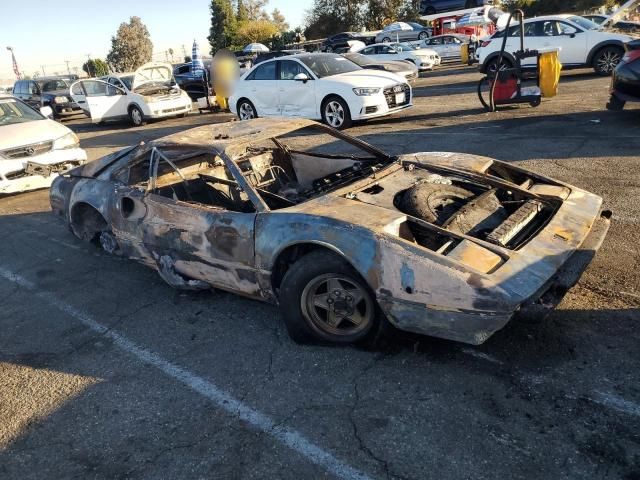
(86, 222)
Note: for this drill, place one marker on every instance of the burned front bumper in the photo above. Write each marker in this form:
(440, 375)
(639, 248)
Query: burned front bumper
(552, 293)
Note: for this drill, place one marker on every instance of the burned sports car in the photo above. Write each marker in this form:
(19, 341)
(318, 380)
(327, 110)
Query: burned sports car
(340, 234)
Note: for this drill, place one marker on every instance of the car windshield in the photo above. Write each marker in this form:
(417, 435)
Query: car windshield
(52, 85)
(584, 23)
(326, 65)
(358, 58)
(13, 111)
(404, 47)
(127, 81)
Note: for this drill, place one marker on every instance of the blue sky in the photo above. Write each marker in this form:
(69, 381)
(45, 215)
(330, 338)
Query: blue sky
(48, 33)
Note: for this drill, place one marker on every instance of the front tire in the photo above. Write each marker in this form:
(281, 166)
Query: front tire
(615, 104)
(492, 65)
(246, 110)
(607, 59)
(423, 36)
(136, 117)
(386, 40)
(324, 299)
(336, 114)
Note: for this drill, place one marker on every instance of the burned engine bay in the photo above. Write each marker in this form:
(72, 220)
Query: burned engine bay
(501, 205)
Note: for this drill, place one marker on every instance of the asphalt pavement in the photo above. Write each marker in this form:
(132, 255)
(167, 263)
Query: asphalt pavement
(106, 372)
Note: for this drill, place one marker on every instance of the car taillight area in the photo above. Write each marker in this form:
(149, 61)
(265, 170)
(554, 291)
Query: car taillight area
(485, 43)
(631, 56)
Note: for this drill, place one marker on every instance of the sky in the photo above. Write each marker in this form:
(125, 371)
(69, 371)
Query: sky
(46, 33)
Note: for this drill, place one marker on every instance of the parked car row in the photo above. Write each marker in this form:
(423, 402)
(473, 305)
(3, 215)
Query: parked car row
(48, 92)
(581, 43)
(33, 148)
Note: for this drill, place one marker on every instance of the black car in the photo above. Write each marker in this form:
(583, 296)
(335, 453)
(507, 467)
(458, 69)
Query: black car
(403, 68)
(340, 41)
(48, 92)
(196, 86)
(625, 82)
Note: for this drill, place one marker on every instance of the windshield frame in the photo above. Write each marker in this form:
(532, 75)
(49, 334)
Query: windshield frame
(577, 19)
(308, 62)
(24, 108)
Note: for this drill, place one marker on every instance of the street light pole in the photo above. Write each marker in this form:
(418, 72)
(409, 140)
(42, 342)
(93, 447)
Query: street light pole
(68, 69)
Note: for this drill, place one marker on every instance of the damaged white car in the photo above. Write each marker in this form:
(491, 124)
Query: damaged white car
(150, 92)
(33, 148)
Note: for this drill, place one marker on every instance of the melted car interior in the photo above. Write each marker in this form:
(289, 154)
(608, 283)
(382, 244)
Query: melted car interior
(503, 205)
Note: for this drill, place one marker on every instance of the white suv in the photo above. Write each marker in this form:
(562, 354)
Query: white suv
(582, 43)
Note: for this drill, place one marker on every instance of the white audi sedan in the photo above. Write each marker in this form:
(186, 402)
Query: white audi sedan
(33, 149)
(318, 86)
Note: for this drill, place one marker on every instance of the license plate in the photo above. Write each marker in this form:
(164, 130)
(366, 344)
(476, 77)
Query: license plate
(399, 98)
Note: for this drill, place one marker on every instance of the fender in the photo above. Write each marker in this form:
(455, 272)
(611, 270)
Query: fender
(598, 46)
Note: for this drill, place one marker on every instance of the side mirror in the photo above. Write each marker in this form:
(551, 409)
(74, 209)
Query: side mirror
(46, 112)
(301, 77)
(569, 31)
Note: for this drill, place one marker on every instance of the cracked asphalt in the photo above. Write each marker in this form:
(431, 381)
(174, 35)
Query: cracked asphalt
(82, 397)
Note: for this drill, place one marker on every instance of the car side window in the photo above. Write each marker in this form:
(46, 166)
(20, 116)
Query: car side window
(435, 41)
(266, 71)
(547, 28)
(182, 70)
(33, 88)
(368, 51)
(289, 69)
(17, 88)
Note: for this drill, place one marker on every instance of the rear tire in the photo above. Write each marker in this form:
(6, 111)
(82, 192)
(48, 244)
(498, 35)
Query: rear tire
(606, 60)
(386, 40)
(423, 36)
(324, 299)
(492, 65)
(335, 113)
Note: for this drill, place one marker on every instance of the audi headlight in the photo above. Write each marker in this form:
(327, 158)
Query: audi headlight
(366, 91)
(70, 140)
(60, 100)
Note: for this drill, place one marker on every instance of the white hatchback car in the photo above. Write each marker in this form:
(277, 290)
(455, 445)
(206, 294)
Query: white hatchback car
(582, 43)
(318, 86)
(423, 58)
(148, 93)
(33, 149)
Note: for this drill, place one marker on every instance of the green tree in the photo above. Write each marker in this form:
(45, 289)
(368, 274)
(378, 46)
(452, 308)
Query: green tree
(242, 14)
(131, 46)
(96, 67)
(222, 31)
(252, 31)
(327, 17)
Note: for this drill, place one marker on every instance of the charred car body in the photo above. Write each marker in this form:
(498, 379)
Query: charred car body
(340, 234)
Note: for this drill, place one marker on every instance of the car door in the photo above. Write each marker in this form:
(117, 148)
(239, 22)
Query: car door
(183, 239)
(573, 41)
(296, 98)
(385, 52)
(33, 97)
(99, 99)
(262, 88)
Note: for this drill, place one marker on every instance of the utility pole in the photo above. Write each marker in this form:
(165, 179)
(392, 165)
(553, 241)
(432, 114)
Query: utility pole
(89, 64)
(184, 51)
(68, 69)
(43, 74)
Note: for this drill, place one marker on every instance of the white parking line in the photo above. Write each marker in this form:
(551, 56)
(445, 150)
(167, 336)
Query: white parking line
(615, 402)
(222, 399)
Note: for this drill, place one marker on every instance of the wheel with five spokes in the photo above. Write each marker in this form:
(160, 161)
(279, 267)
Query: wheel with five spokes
(246, 110)
(324, 299)
(335, 113)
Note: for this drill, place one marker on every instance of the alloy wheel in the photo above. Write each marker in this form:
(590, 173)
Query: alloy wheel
(136, 116)
(608, 61)
(337, 305)
(334, 113)
(246, 111)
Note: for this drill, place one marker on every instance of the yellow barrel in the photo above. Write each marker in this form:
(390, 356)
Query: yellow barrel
(549, 68)
(464, 52)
